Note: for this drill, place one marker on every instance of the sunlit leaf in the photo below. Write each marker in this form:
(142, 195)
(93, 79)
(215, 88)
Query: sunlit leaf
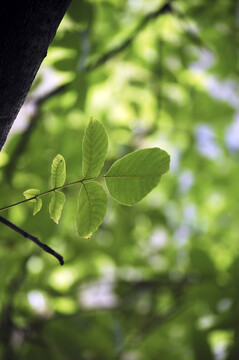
(135, 175)
(38, 206)
(92, 206)
(58, 171)
(95, 145)
(31, 193)
(38, 202)
(56, 205)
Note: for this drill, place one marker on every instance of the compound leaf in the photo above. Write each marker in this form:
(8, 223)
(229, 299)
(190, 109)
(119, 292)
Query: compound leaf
(92, 206)
(94, 149)
(132, 177)
(58, 171)
(56, 205)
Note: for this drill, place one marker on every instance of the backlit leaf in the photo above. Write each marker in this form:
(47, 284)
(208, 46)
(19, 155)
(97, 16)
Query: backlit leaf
(31, 193)
(92, 206)
(38, 206)
(56, 205)
(58, 171)
(95, 145)
(38, 202)
(132, 177)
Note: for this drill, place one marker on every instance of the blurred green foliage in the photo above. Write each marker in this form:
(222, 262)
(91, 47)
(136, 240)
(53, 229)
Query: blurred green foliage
(158, 280)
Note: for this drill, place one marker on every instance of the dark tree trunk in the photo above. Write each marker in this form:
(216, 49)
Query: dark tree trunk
(26, 29)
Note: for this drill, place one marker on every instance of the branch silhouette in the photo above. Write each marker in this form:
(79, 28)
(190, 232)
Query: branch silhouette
(24, 233)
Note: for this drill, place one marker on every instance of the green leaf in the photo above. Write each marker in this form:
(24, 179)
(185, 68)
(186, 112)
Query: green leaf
(58, 171)
(38, 206)
(38, 202)
(31, 193)
(135, 175)
(95, 145)
(56, 205)
(92, 206)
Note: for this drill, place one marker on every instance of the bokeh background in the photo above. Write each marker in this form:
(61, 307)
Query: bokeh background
(159, 280)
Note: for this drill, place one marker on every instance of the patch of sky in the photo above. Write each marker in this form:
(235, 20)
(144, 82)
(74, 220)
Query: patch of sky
(190, 213)
(186, 180)
(158, 239)
(222, 90)
(206, 60)
(98, 295)
(182, 234)
(232, 135)
(205, 140)
(227, 91)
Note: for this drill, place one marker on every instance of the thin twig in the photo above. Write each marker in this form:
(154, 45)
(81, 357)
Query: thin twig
(32, 238)
(48, 192)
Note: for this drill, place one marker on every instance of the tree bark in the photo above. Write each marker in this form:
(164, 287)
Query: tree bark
(26, 29)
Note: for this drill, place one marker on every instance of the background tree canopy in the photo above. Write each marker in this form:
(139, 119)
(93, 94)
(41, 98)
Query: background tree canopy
(160, 279)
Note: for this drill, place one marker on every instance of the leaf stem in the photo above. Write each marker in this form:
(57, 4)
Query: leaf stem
(46, 192)
(32, 238)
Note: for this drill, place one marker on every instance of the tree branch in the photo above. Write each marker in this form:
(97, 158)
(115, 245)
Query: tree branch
(32, 238)
(127, 42)
(22, 144)
(26, 29)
